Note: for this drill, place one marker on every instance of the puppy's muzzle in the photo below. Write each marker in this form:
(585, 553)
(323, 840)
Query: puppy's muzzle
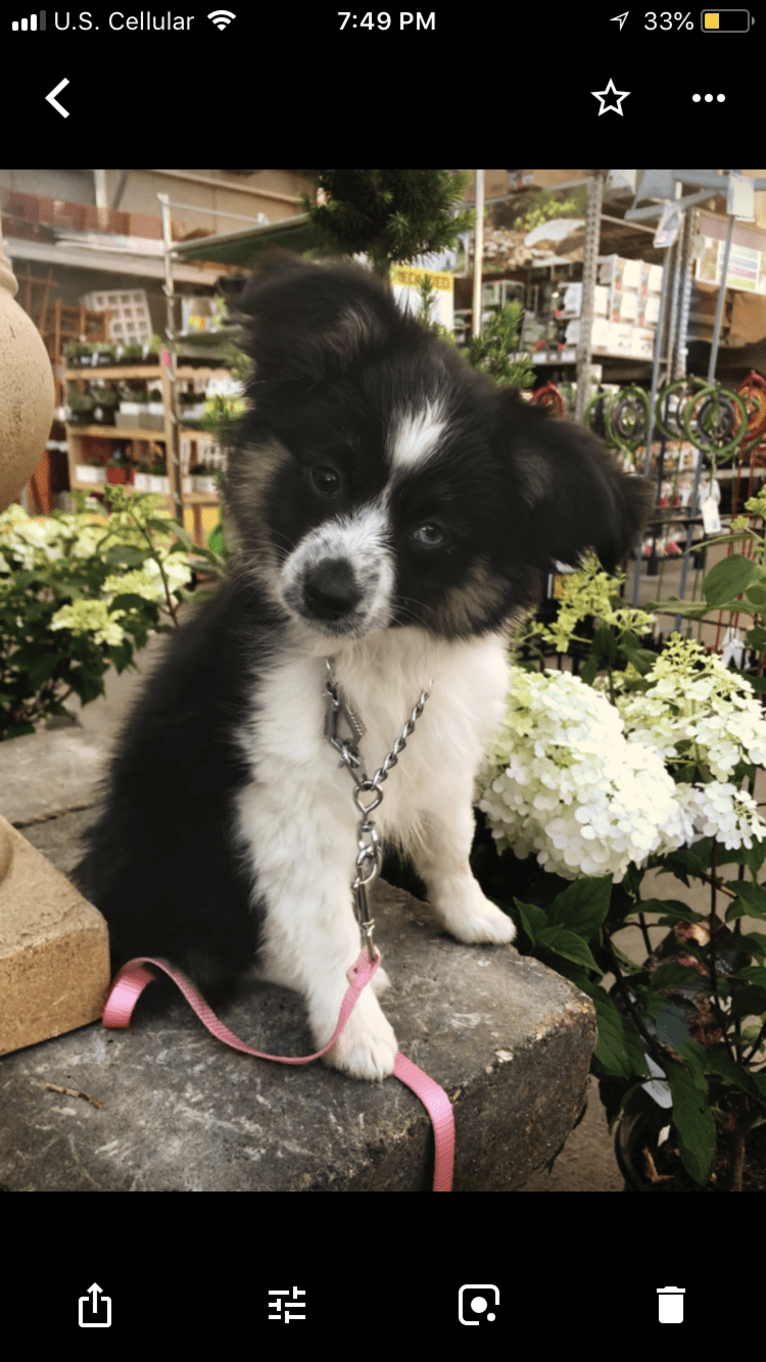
(330, 590)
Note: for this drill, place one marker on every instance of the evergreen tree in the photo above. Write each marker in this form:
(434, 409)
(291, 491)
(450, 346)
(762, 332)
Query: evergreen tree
(489, 351)
(392, 215)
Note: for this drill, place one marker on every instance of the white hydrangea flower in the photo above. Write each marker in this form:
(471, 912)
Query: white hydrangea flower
(563, 783)
(30, 539)
(721, 810)
(588, 794)
(147, 581)
(697, 711)
(90, 617)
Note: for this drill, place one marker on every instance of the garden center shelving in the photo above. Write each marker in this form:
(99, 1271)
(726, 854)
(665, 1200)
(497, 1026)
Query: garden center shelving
(85, 440)
(239, 248)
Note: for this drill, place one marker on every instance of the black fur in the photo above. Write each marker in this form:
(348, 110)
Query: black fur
(514, 489)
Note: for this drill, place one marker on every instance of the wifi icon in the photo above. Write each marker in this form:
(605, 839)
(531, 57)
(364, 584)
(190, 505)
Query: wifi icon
(221, 17)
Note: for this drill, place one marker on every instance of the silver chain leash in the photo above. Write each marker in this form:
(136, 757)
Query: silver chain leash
(369, 852)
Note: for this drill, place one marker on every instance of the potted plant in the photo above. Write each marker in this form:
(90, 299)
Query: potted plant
(203, 480)
(101, 354)
(118, 468)
(79, 405)
(158, 477)
(133, 409)
(192, 408)
(150, 350)
(77, 354)
(141, 478)
(603, 778)
(91, 469)
(154, 412)
(75, 593)
(131, 353)
(105, 399)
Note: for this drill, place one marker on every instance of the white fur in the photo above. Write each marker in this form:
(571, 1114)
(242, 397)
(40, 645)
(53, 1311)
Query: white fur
(416, 435)
(297, 818)
(361, 540)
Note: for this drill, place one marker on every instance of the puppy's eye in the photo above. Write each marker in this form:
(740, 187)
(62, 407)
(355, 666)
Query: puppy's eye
(326, 480)
(432, 536)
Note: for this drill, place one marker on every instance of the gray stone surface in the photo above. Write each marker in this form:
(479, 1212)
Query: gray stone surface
(508, 1039)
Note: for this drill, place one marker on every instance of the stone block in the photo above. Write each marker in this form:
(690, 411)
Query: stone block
(54, 948)
(163, 1106)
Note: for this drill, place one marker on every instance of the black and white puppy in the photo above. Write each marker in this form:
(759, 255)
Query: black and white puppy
(393, 509)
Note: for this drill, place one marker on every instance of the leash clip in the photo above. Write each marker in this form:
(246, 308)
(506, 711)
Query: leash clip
(366, 923)
(337, 709)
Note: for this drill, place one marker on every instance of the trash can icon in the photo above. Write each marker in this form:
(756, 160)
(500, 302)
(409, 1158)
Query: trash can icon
(671, 1304)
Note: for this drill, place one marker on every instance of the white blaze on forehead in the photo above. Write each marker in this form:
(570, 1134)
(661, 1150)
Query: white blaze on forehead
(415, 435)
(351, 536)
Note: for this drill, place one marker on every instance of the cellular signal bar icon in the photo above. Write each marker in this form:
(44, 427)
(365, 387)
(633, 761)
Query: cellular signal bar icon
(221, 18)
(30, 25)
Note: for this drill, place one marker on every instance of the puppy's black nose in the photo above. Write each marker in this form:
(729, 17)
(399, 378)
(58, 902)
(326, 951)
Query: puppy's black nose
(330, 589)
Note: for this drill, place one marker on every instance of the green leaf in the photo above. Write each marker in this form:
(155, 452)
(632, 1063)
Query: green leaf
(728, 579)
(748, 1001)
(640, 658)
(583, 906)
(717, 1059)
(568, 945)
(590, 671)
(162, 527)
(754, 943)
(675, 974)
(750, 900)
(87, 683)
(124, 555)
(183, 540)
(757, 594)
(533, 919)
(758, 682)
(41, 666)
(604, 646)
(756, 638)
(692, 610)
(692, 1118)
(685, 861)
(19, 730)
(671, 910)
(618, 1048)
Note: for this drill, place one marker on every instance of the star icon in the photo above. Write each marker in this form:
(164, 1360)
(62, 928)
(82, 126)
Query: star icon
(602, 96)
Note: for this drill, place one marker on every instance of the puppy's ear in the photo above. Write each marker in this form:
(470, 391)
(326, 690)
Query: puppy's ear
(306, 322)
(568, 490)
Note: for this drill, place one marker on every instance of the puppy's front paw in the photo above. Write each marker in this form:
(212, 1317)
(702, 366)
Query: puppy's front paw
(367, 1046)
(487, 923)
(379, 981)
(471, 917)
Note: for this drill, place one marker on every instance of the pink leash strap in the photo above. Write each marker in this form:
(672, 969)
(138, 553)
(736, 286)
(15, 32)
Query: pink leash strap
(132, 979)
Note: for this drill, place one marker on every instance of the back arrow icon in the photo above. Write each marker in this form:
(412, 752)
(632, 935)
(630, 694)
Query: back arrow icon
(51, 98)
(620, 19)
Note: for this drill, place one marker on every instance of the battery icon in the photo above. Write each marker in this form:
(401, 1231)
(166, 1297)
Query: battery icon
(725, 20)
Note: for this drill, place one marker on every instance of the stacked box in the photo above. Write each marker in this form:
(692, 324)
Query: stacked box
(129, 321)
(628, 307)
